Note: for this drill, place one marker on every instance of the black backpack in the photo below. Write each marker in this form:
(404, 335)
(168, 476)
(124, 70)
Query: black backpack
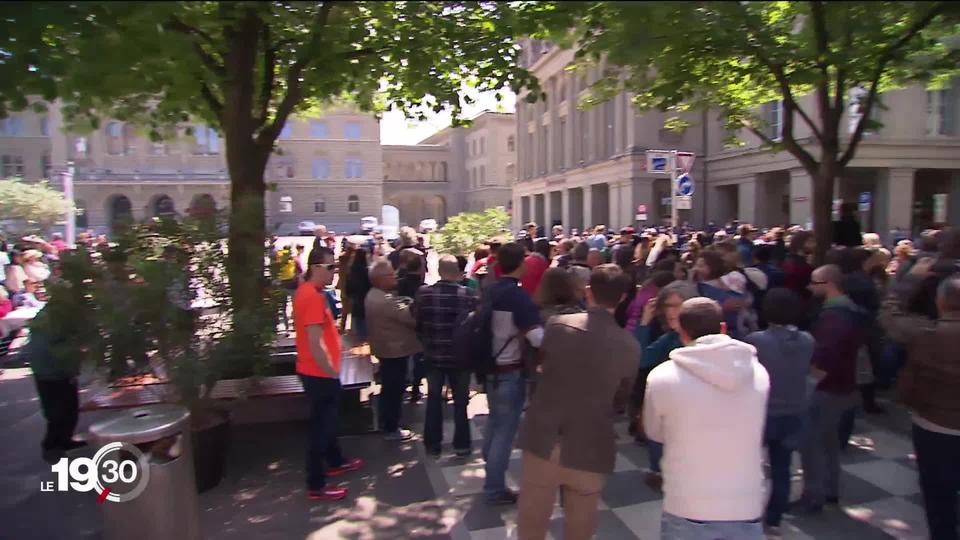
(473, 340)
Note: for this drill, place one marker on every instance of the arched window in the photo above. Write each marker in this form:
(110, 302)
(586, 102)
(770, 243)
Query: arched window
(353, 204)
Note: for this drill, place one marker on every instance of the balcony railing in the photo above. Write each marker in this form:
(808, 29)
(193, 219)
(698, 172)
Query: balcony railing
(141, 176)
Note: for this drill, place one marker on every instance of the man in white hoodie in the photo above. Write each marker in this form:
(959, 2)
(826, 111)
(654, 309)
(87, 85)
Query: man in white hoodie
(708, 407)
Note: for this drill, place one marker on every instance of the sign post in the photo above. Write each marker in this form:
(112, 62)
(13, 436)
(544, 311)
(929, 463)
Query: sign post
(70, 229)
(668, 162)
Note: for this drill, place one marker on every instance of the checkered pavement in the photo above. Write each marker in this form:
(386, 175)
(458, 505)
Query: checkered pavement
(879, 494)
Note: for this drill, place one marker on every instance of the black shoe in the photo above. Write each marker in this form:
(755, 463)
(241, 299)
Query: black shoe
(415, 398)
(73, 445)
(463, 452)
(805, 508)
(874, 409)
(434, 452)
(832, 501)
(503, 498)
(53, 456)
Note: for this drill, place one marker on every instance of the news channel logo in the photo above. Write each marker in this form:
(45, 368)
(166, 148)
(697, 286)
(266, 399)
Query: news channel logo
(118, 472)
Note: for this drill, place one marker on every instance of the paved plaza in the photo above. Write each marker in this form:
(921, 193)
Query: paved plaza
(404, 494)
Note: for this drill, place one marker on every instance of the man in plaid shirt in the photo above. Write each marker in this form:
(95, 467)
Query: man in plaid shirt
(438, 309)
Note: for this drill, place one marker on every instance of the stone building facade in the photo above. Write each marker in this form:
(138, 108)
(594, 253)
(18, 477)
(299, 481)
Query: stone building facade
(582, 168)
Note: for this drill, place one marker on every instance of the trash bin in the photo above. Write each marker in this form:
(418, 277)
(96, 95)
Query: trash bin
(168, 506)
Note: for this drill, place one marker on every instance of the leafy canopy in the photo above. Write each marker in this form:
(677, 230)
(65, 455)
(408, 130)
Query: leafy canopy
(467, 231)
(160, 63)
(34, 205)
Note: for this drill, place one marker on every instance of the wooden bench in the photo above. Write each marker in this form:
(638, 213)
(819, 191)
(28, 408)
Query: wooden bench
(245, 396)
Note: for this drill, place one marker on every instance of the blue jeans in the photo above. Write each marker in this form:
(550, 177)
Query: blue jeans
(678, 528)
(505, 395)
(393, 381)
(322, 448)
(655, 453)
(782, 435)
(459, 382)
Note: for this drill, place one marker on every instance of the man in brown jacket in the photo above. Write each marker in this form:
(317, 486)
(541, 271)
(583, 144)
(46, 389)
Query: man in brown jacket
(929, 386)
(393, 340)
(587, 368)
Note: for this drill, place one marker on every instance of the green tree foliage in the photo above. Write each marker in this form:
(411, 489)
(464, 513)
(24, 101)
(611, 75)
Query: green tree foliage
(467, 231)
(245, 67)
(734, 56)
(33, 206)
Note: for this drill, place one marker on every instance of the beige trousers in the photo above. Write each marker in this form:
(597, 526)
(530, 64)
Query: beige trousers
(580, 494)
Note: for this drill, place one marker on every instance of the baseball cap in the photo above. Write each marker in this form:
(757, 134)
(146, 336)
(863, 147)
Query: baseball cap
(627, 230)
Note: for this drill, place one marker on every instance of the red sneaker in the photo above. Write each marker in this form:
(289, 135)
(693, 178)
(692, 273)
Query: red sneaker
(349, 466)
(329, 493)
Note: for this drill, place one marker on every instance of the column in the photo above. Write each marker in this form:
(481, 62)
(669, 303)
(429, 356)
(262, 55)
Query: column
(613, 210)
(565, 205)
(747, 201)
(801, 197)
(521, 209)
(587, 207)
(627, 208)
(547, 211)
(900, 202)
(953, 200)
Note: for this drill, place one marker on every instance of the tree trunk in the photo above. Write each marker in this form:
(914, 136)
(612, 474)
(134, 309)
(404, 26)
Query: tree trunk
(823, 179)
(245, 256)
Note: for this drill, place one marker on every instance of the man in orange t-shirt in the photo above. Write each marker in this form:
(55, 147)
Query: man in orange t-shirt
(318, 365)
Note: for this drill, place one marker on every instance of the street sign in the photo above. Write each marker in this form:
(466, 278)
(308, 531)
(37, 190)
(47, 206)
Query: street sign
(685, 160)
(864, 201)
(685, 185)
(640, 217)
(684, 202)
(658, 161)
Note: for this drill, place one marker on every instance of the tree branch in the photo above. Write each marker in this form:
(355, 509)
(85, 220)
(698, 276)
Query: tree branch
(293, 80)
(822, 43)
(882, 62)
(215, 106)
(212, 64)
(778, 74)
(790, 145)
(269, 74)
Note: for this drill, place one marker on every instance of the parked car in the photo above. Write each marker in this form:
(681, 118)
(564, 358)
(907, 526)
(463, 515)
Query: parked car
(428, 225)
(306, 228)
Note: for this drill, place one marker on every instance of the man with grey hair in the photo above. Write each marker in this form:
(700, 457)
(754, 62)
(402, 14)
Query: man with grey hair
(320, 236)
(928, 386)
(393, 341)
(438, 310)
(710, 380)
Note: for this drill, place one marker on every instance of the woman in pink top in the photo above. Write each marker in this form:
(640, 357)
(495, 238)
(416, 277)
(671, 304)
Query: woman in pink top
(536, 264)
(648, 291)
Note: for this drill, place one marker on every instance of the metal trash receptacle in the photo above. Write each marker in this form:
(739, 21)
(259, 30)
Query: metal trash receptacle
(168, 505)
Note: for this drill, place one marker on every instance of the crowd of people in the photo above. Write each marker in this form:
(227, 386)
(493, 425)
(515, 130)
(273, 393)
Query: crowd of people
(714, 343)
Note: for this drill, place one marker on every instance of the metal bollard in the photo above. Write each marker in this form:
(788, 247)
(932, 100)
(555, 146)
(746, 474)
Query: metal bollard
(168, 506)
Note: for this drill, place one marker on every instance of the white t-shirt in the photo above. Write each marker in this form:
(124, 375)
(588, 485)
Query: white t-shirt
(15, 278)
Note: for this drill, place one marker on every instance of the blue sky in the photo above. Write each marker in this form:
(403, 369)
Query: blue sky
(395, 129)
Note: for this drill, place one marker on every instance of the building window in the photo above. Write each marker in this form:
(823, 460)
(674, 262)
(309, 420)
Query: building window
(773, 118)
(207, 140)
(44, 126)
(80, 148)
(510, 173)
(319, 129)
(511, 144)
(443, 167)
(114, 138)
(286, 204)
(7, 167)
(483, 148)
(287, 131)
(858, 96)
(158, 148)
(353, 204)
(542, 158)
(528, 159)
(45, 166)
(321, 169)
(942, 111)
(353, 168)
(12, 126)
(483, 175)
(290, 170)
(351, 130)
(319, 207)
(562, 91)
(473, 147)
